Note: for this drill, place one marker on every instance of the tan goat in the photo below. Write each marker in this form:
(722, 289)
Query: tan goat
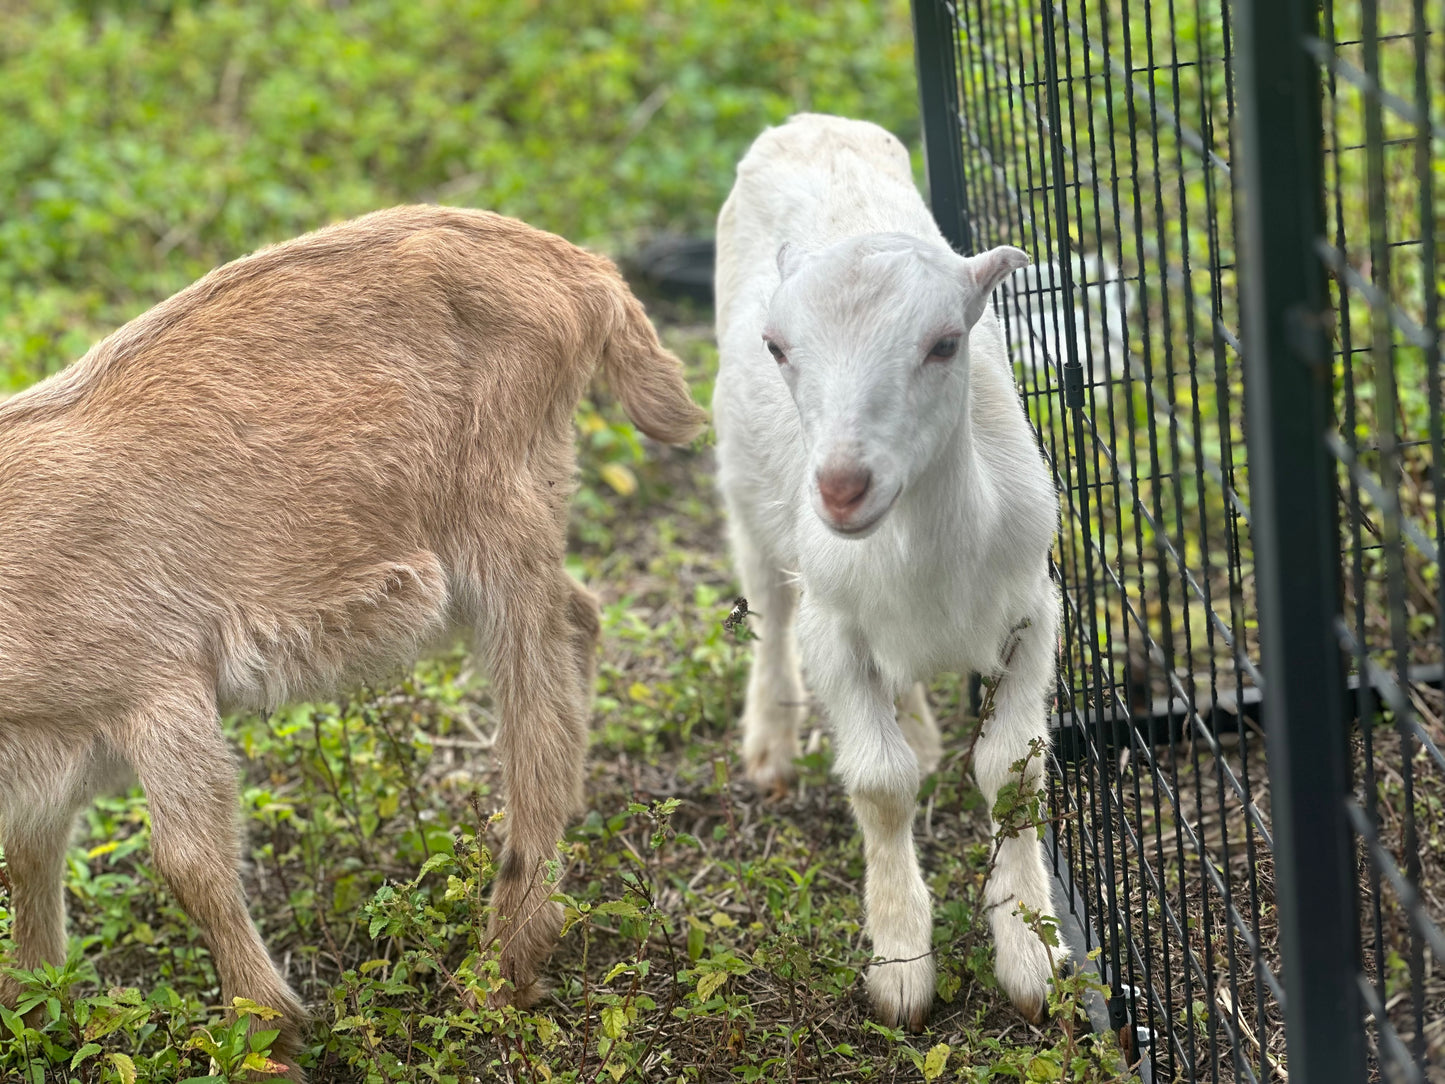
(298, 472)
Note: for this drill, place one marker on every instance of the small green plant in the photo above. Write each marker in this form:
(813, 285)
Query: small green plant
(120, 1036)
(237, 1049)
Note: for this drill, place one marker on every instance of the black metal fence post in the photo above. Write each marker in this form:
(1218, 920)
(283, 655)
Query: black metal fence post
(933, 35)
(1288, 373)
(934, 30)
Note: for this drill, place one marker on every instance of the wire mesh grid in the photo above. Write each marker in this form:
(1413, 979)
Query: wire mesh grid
(1383, 73)
(1099, 137)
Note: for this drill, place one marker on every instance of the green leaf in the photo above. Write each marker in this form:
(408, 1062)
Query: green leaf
(244, 1006)
(696, 940)
(935, 1061)
(570, 917)
(1042, 1069)
(709, 983)
(260, 1063)
(620, 478)
(261, 1040)
(378, 923)
(436, 861)
(614, 1021)
(625, 908)
(84, 1052)
(12, 1021)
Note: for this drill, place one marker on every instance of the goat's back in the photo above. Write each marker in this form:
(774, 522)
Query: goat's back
(811, 181)
(311, 446)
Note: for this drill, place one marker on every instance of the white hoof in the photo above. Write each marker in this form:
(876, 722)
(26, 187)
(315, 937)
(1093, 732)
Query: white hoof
(1023, 965)
(768, 760)
(902, 991)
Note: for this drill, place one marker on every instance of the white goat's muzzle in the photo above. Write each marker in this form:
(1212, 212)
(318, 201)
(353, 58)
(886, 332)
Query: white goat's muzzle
(849, 500)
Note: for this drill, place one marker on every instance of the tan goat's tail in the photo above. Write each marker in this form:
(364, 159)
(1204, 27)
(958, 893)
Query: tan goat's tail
(647, 377)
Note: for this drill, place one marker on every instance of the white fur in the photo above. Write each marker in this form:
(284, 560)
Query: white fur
(956, 524)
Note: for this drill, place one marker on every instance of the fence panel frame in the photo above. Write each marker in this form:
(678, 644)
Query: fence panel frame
(942, 152)
(1287, 317)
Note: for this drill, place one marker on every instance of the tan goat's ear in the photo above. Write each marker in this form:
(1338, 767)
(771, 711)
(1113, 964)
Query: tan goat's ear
(984, 272)
(791, 256)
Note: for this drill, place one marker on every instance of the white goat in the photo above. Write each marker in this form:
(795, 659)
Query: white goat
(884, 491)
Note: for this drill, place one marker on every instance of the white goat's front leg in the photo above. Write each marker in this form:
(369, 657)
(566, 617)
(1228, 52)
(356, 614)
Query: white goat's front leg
(776, 702)
(880, 771)
(1019, 717)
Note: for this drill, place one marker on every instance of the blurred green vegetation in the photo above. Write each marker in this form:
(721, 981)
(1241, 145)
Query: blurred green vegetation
(143, 143)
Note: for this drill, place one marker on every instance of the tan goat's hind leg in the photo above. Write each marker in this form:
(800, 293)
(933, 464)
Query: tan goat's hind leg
(34, 843)
(542, 739)
(586, 621)
(43, 787)
(189, 777)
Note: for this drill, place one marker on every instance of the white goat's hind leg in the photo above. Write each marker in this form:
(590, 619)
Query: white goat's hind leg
(920, 728)
(880, 772)
(1023, 962)
(776, 701)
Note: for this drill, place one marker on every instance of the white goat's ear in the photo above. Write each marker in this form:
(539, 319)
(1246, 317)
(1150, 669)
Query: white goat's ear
(984, 272)
(790, 258)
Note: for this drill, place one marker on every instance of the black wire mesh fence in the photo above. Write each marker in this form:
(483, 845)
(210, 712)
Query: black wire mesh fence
(1249, 798)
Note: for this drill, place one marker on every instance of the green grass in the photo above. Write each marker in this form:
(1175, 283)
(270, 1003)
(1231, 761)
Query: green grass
(710, 936)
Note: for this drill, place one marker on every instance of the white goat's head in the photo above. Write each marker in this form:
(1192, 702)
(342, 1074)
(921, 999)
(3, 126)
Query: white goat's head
(871, 336)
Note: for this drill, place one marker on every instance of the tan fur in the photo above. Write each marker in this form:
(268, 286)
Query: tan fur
(296, 473)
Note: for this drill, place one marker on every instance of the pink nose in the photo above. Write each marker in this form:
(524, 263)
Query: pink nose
(843, 489)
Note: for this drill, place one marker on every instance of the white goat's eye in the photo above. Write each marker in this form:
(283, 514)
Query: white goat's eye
(777, 352)
(944, 349)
